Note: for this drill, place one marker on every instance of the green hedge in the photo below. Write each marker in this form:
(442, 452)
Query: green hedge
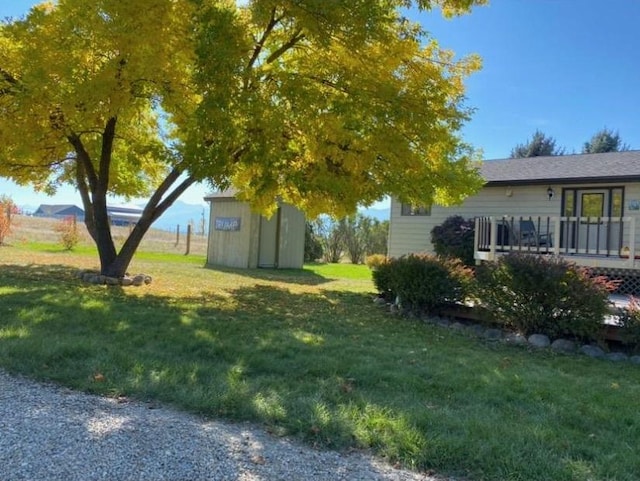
(423, 282)
(546, 295)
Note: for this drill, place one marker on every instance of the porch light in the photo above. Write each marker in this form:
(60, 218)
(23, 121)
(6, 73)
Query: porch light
(550, 193)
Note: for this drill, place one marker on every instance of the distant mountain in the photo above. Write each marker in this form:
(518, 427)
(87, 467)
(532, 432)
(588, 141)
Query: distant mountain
(181, 214)
(380, 214)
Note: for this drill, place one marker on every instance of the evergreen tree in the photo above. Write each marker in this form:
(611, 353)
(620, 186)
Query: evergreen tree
(539, 145)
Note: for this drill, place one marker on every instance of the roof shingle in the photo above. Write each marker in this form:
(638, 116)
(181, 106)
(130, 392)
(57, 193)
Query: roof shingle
(578, 168)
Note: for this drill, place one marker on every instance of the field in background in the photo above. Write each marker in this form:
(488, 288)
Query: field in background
(40, 230)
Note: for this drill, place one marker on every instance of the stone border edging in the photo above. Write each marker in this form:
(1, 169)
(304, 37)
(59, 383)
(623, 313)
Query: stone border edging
(538, 341)
(94, 277)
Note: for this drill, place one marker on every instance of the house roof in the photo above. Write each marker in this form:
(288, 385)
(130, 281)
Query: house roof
(57, 209)
(566, 169)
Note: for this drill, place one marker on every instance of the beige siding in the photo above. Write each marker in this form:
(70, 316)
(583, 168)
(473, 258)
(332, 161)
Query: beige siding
(233, 248)
(292, 228)
(632, 193)
(408, 233)
(242, 248)
(413, 233)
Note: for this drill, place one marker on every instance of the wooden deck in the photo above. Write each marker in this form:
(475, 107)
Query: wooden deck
(600, 242)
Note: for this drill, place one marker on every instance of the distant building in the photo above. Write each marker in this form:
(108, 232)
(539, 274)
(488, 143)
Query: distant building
(119, 215)
(59, 211)
(124, 215)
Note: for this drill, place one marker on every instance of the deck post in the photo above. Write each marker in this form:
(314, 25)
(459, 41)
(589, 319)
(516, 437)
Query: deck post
(476, 236)
(632, 241)
(493, 237)
(556, 230)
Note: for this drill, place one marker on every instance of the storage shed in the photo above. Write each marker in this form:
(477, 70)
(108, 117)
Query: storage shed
(239, 237)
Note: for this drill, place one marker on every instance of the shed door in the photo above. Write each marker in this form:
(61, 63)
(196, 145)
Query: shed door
(268, 254)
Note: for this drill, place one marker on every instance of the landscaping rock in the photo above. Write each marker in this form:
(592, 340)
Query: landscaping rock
(592, 351)
(515, 338)
(457, 326)
(442, 322)
(139, 280)
(539, 340)
(492, 334)
(563, 345)
(127, 281)
(476, 329)
(147, 280)
(617, 356)
(635, 359)
(379, 301)
(111, 281)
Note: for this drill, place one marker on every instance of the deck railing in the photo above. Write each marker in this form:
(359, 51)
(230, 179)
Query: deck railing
(612, 237)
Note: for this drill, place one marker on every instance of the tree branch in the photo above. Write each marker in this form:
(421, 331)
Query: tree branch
(105, 153)
(8, 78)
(89, 219)
(84, 158)
(157, 204)
(295, 38)
(273, 21)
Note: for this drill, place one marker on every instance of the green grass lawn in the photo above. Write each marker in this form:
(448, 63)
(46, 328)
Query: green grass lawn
(307, 354)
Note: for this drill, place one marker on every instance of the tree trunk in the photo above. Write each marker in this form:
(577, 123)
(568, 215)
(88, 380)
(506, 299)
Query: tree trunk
(93, 185)
(118, 265)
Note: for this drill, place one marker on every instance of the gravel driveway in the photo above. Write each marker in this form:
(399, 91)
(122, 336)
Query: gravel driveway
(52, 433)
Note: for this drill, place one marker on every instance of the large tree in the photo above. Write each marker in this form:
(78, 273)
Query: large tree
(322, 104)
(604, 140)
(539, 145)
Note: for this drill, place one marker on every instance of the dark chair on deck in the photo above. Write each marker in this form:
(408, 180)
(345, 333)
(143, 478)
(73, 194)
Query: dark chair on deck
(529, 236)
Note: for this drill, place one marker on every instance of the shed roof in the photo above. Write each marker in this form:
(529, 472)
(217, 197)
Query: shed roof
(567, 169)
(222, 194)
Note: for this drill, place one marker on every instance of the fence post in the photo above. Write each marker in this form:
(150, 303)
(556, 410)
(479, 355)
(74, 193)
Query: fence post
(177, 235)
(188, 240)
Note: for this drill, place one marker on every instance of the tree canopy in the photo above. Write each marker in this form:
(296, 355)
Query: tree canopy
(321, 104)
(539, 145)
(604, 140)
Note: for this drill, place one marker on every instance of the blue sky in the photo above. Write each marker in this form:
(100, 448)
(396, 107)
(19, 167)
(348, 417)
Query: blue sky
(565, 67)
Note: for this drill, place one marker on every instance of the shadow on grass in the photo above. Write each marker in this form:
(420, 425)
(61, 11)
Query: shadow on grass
(330, 368)
(288, 276)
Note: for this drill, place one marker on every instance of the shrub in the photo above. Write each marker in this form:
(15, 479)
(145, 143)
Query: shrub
(454, 238)
(546, 295)
(67, 230)
(382, 279)
(629, 323)
(375, 260)
(7, 208)
(312, 245)
(424, 282)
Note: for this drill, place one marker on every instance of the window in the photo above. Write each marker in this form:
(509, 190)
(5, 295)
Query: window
(569, 209)
(593, 202)
(592, 205)
(408, 209)
(616, 202)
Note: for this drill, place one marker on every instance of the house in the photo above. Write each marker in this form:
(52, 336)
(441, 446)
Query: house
(59, 211)
(584, 206)
(239, 237)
